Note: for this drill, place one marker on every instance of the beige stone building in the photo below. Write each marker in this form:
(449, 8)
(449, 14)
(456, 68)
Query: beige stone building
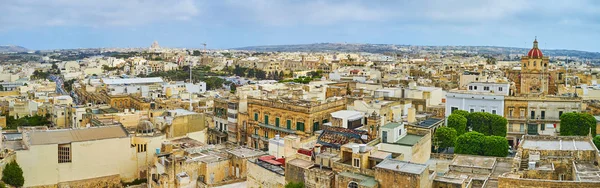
(269, 117)
(97, 157)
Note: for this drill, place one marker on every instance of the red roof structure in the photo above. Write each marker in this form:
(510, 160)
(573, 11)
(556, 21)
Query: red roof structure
(535, 52)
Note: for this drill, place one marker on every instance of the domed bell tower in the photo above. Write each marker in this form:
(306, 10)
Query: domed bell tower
(534, 72)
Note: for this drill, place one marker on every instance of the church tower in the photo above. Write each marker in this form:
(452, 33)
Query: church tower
(534, 74)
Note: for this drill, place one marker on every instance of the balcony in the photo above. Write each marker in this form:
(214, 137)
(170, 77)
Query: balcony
(277, 128)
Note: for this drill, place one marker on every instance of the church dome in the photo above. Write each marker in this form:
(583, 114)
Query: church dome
(535, 52)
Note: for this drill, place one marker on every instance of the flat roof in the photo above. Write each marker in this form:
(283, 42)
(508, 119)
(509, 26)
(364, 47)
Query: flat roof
(347, 114)
(301, 163)
(182, 112)
(63, 136)
(245, 152)
(402, 166)
(392, 125)
(409, 140)
(367, 181)
(428, 123)
(557, 145)
(118, 81)
(474, 161)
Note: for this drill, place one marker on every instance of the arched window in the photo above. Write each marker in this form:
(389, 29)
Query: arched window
(534, 63)
(353, 185)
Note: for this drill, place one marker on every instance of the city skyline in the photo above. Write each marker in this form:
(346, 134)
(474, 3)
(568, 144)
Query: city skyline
(55, 24)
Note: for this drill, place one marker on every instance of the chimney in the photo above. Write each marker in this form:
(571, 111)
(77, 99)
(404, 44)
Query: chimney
(411, 115)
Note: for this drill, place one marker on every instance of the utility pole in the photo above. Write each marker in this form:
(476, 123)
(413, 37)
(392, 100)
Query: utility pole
(191, 85)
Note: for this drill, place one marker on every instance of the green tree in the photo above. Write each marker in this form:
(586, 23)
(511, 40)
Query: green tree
(461, 112)
(294, 185)
(445, 137)
(458, 123)
(486, 123)
(13, 175)
(470, 143)
(577, 124)
(597, 141)
(196, 53)
(251, 73)
(496, 146)
(233, 87)
(261, 75)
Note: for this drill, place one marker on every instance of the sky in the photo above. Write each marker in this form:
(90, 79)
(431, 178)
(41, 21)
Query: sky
(222, 24)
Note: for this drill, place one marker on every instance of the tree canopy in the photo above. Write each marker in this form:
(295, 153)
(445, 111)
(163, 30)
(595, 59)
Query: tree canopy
(597, 141)
(461, 112)
(496, 146)
(474, 143)
(577, 124)
(458, 123)
(13, 175)
(445, 137)
(470, 143)
(294, 185)
(36, 120)
(486, 123)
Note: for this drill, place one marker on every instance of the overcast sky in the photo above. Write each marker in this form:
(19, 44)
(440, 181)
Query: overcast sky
(52, 24)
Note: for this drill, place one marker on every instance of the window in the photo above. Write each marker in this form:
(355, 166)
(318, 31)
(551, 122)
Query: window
(493, 111)
(356, 162)
(255, 116)
(277, 122)
(560, 113)
(452, 109)
(266, 134)
(475, 87)
(482, 110)
(141, 148)
(300, 126)
(542, 127)
(510, 127)
(522, 113)
(266, 119)
(486, 88)
(64, 153)
(315, 126)
(400, 132)
(532, 114)
(522, 128)
(510, 112)
(543, 115)
(289, 124)
(470, 87)
(353, 185)
(500, 89)
(471, 110)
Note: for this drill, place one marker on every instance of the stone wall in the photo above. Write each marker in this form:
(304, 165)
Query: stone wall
(107, 181)
(504, 182)
(261, 177)
(294, 173)
(319, 178)
(394, 179)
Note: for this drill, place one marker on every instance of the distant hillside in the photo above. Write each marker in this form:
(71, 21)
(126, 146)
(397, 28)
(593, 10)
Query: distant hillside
(12, 48)
(391, 48)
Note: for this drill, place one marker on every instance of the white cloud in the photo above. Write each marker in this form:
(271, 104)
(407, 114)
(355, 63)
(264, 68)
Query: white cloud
(32, 13)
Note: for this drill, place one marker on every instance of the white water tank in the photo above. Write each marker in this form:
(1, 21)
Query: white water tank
(531, 165)
(355, 149)
(362, 148)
